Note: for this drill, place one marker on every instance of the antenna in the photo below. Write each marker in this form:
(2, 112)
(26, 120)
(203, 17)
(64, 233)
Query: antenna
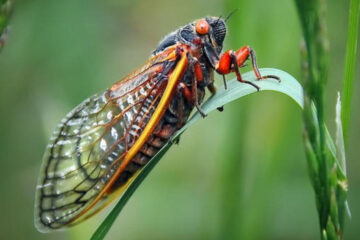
(231, 13)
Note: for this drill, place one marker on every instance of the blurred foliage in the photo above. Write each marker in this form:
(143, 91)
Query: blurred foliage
(5, 11)
(60, 52)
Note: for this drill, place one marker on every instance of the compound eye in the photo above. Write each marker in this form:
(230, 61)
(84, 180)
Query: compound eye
(202, 26)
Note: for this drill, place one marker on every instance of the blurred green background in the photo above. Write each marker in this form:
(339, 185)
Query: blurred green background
(237, 174)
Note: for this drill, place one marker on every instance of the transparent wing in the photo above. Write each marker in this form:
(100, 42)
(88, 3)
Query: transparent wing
(89, 145)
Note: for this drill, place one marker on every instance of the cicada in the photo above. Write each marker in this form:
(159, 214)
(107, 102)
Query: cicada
(100, 146)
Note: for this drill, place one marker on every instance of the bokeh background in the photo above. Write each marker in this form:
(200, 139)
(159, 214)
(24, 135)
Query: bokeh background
(239, 174)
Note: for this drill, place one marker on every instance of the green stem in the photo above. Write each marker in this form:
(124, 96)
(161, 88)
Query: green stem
(350, 61)
(312, 18)
(327, 178)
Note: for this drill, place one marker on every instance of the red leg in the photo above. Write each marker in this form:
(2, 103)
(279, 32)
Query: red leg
(230, 61)
(195, 97)
(198, 79)
(191, 96)
(198, 71)
(256, 69)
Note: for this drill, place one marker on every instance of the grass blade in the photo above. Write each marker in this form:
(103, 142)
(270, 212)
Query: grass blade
(350, 61)
(236, 90)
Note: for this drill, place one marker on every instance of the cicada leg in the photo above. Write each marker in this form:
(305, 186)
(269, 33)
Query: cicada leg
(192, 95)
(198, 79)
(230, 61)
(212, 88)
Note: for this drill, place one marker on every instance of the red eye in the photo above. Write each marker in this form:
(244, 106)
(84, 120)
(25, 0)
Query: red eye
(202, 26)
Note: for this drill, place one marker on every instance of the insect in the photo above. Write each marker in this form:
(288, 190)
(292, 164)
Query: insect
(100, 146)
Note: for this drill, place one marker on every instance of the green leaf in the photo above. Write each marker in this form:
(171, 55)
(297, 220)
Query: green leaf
(236, 90)
(350, 65)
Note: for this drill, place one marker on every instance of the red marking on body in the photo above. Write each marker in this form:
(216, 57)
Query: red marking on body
(186, 92)
(197, 40)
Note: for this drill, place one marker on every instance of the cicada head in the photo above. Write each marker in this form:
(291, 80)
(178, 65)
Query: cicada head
(216, 31)
(209, 31)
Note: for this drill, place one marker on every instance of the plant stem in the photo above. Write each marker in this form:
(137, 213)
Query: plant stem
(350, 61)
(326, 175)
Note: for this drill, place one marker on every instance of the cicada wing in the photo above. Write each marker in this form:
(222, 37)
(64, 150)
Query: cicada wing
(87, 148)
(76, 163)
